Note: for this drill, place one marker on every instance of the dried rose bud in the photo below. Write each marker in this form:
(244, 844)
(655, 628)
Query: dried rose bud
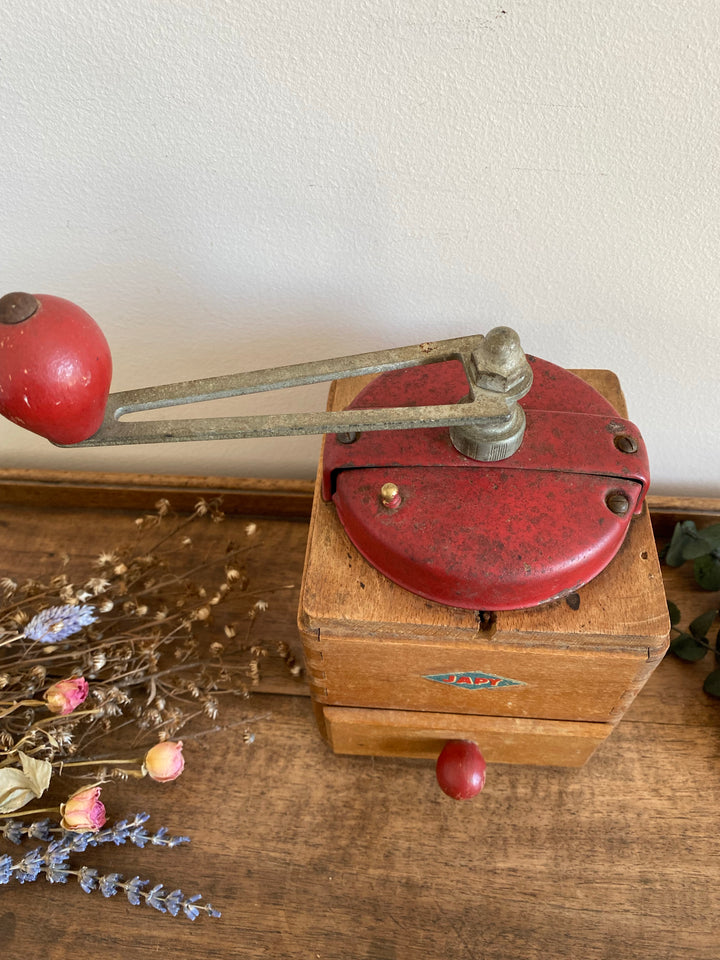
(164, 761)
(83, 811)
(62, 697)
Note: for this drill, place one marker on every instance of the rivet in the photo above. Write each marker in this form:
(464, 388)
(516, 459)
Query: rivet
(349, 437)
(626, 444)
(390, 495)
(617, 503)
(17, 307)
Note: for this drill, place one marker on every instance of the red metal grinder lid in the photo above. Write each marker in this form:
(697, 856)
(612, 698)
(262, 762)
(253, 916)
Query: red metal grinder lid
(490, 535)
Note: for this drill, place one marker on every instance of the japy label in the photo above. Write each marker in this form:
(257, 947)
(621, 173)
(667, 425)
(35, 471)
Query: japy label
(474, 680)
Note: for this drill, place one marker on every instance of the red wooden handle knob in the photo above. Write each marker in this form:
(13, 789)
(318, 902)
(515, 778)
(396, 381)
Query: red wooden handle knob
(460, 769)
(55, 367)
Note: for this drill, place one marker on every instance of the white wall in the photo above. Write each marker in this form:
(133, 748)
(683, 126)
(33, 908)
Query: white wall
(230, 185)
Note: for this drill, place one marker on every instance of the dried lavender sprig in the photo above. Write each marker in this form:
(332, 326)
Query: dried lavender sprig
(15, 830)
(172, 902)
(56, 623)
(126, 831)
(53, 863)
(131, 830)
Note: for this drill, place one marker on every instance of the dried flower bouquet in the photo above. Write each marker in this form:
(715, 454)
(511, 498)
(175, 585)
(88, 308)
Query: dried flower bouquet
(134, 652)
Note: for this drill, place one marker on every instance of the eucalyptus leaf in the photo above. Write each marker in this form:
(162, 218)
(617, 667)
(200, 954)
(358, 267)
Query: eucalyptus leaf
(683, 534)
(712, 683)
(700, 625)
(707, 572)
(686, 647)
(675, 615)
(712, 535)
(697, 548)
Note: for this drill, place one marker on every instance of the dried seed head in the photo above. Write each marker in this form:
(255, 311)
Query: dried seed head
(250, 529)
(98, 660)
(106, 559)
(97, 585)
(7, 586)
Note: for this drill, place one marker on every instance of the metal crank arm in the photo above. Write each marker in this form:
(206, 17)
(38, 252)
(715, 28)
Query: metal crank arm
(492, 396)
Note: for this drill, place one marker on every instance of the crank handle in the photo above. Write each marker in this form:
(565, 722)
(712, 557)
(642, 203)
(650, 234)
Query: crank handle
(497, 371)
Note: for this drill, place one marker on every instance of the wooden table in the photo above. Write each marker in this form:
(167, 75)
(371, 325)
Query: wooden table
(311, 855)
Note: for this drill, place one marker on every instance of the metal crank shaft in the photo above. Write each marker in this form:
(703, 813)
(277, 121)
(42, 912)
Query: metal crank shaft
(497, 372)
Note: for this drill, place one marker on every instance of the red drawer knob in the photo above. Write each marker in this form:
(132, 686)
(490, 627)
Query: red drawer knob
(460, 769)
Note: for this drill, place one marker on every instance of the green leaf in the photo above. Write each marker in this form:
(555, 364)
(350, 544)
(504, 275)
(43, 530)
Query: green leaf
(712, 535)
(682, 535)
(700, 625)
(712, 683)
(707, 572)
(686, 647)
(675, 615)
(697, 548)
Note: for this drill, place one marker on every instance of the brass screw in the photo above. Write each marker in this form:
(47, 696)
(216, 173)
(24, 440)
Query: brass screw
(618, 503)
(390, 495)
(626, 444)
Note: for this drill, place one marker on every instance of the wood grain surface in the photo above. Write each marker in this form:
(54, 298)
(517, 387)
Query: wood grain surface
(311, 855)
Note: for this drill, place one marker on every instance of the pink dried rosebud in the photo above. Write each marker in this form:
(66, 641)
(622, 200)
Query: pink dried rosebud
(62, 697)
(164, 761)
(83, 812)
